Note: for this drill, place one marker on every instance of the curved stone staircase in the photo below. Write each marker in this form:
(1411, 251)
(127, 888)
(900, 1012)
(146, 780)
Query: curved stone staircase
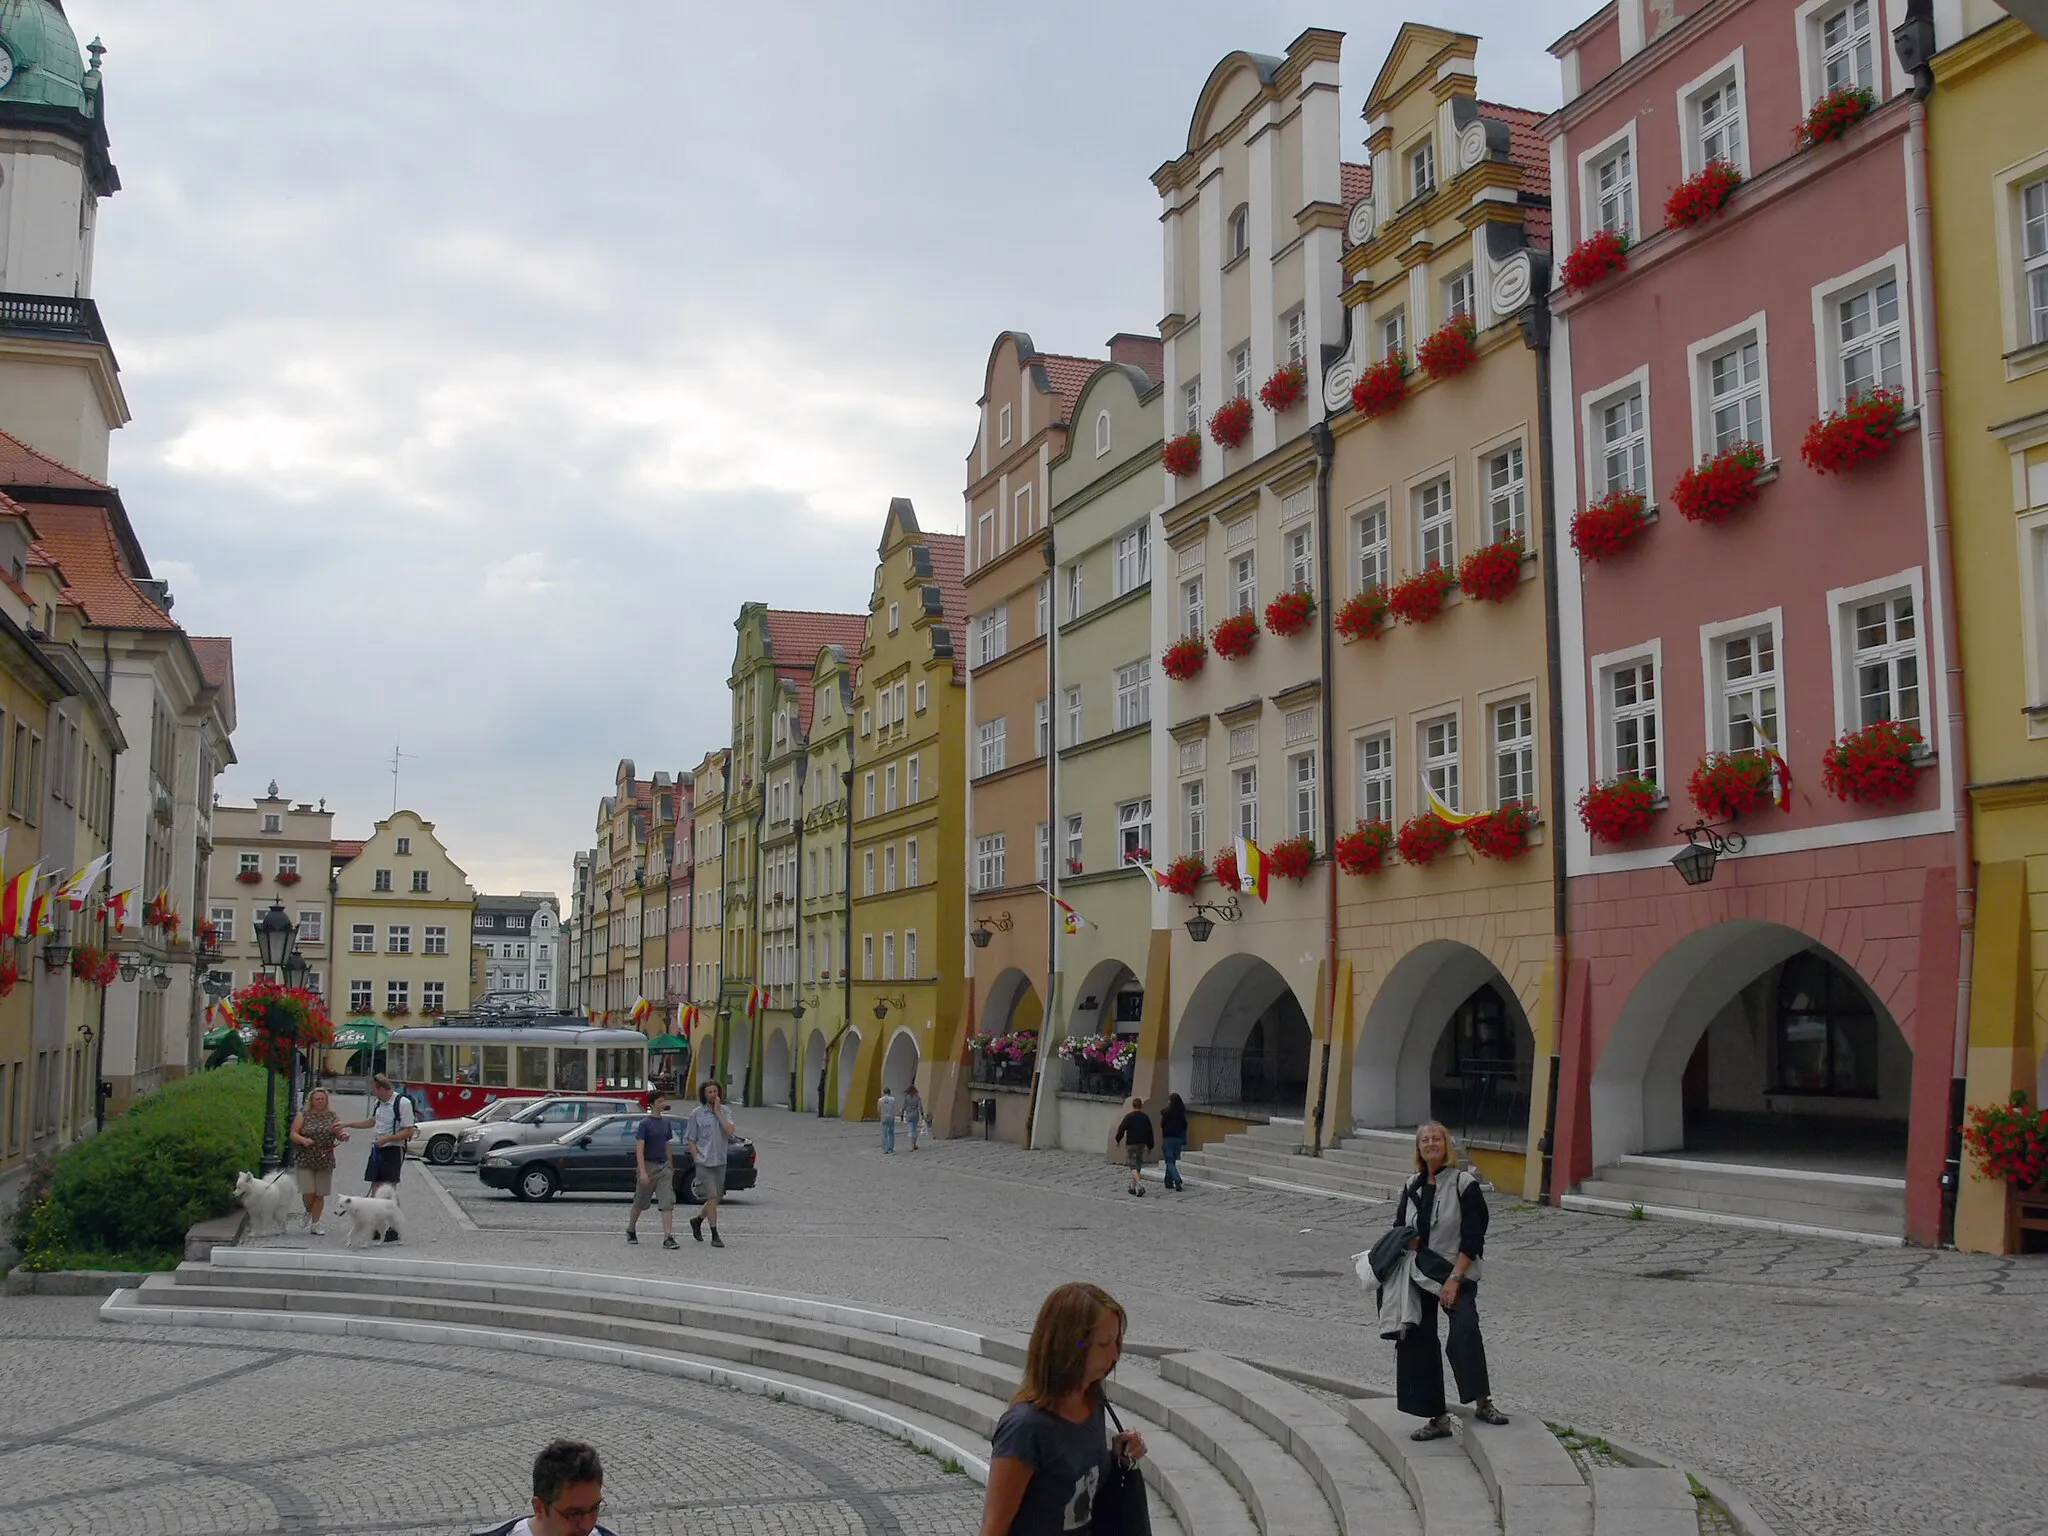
(1235, 1450)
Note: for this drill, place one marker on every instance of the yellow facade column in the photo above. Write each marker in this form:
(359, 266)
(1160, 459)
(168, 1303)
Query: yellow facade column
(2002, 1049)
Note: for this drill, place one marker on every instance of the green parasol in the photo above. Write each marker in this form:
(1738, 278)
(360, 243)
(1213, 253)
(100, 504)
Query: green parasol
(218, 1036)
(669, 1044)
(361, 1034)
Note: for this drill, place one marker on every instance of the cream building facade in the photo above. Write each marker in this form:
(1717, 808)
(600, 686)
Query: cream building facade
(404, 912)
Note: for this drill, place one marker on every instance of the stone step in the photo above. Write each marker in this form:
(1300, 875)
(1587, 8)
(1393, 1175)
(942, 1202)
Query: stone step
(1758, 1199)
(1532, 1478)
(1854, 1191)
(1449, 1494)
(1762, 1208)
(1643, 1501)
(1233, 1165)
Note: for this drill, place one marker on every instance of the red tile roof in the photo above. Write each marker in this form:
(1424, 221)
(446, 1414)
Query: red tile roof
(1528, 149)
(1068, 376)
(23, 465)
(81, 540)
(216, 657)
(348, 847)
(1147, 354)
(949, 571)
(1357, 183)
(795, 636)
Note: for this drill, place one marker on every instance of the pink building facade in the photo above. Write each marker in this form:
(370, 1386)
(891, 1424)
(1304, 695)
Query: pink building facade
(1791, 1020)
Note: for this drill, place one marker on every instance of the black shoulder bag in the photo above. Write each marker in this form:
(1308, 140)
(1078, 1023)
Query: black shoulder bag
(1120, 1507)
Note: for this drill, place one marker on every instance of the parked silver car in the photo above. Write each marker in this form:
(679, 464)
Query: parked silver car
(435, 1140)
(541, 1120)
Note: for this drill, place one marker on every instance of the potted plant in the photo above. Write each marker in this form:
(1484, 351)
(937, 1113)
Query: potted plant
(1232, 423)
(1725, 784)
(1234, 638)
(1419, 598)
(432, 1011)
(1363, 614)
(1291, 612)
(287, 877)
(1382, 386)
(1609, 525)
(1501, 834)
(1720, 485)
(1491, 574)
(282, 1020)
(85, 961)
(1284, 390)
(1423, 839)
(1594, 259)
(2009, 1142)
(1184, 658)
(1183, 874)
(1865, 429)
(1450, 349)
(1074, 866)
(1702, 195)
(1224, 868)
(250, 876)
(1292, 858)
(1834, 115)
(397, 1011)
(1363, 850)
(1182, 455)
(1875, 765)
(1617, 809)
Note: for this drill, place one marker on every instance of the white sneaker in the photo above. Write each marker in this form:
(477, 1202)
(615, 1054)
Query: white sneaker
(318, 1230)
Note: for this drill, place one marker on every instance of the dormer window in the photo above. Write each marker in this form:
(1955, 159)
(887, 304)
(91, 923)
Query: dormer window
(1240, 232)
(405, 845)
(1003, 426)
(273, 821)
(1422, 169)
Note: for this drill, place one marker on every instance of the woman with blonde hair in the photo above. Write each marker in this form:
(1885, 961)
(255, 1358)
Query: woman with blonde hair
(1447, 1208)
(1052, 1445)
(314, 1132)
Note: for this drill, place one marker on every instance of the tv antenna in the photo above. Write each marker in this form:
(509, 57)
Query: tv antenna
(396, 754)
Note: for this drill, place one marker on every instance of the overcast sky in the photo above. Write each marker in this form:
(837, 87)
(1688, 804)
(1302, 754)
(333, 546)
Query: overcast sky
(485, 354)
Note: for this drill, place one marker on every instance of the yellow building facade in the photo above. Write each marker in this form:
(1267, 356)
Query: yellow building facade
(825, 901)
(707, 915)
(404, 912)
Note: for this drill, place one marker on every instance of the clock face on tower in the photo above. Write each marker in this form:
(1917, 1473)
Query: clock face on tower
(6, 69)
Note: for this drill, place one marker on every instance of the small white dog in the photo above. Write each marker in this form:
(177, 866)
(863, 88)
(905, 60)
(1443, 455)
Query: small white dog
(269, 1202)
(367, 1216)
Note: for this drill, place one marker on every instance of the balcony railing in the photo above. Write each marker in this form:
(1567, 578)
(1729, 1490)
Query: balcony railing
(990, 1072)
(52, 315)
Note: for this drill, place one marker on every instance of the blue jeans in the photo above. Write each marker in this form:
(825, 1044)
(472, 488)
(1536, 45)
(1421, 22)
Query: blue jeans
(1171, 1148)
(889, 1134)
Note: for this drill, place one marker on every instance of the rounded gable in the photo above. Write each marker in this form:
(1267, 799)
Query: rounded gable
(1234, 84)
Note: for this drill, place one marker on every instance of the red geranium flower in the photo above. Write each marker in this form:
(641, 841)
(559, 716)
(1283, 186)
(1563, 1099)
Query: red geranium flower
(1725, 784)
(1183, 874)
(1182, 455)
(1450, 349)
(1224, 868)
(1594, 258)
(1721, 484)
(1232, 423)
(1363, 850)
(1362, 614)
(1874, 765)
(1290, 612)
(1382, 387)
(1866, 428)
(1490, 574)
(1291, 860)
(1503, 834)
(1419, 598)
(1184, 658)
(1284, 390)
(1235, 636)
(1618, 809)
(1422, 838)
(2009, 1142)
(1700, 197)
(1834, 115)
(1609, 525)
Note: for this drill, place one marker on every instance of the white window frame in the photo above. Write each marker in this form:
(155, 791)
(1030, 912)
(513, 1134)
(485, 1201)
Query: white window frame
(1524, 749)
(1451, 765)
(1699, 354)
(895, 623)
(985, 536)
(1237, 233)
(1304, 795)
(888, 868)
(1133, 564)
(1194, 816)
(1715, 692)
(1842, 605)
(1244, 581)
(1075, 842)
(1608, 750)
(1373, 781)
(1077, 590)
(910, 972)
(1392, 330)
(1461, 294)
(1491, 499)
(1244, 801)
(1301, 559)
(923, 697)
(1241, 371)
(1590, 161)
(1692, 95)
(912, 872)
(913, 790)
(1043, 845)
(1134, 694)
(1022, 509)
(1193, 610)
(1102, 433)
(1808, 19)
(1041, 728)
(2015, 302)
(991, 634)
(1442, 519)
(1591, 406)
(1191, 404)
(1071, 713)
(867, 872)
(1133, 828)
(991, 746)
(1366, 553)
(1003, 427)
(434, 939)
(1294, 336)
(1827, 295)
(867, 957)
(991, 857)
(1418, 163)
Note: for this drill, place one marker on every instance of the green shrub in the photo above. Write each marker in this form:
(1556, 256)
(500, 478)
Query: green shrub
(169, 1162)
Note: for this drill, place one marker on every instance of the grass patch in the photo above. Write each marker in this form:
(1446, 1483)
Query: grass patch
(1588, 1451)
(952, 1465)
(1637, 1213)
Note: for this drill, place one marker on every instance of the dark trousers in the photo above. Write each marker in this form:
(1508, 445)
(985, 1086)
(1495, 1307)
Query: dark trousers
(1419, 1370)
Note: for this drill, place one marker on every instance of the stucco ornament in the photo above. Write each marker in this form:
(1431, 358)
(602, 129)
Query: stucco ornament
(1363, 221)
(1471, 145)
(1510, 283)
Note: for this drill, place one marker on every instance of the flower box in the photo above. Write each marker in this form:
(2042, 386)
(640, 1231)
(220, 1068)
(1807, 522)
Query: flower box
(1182, 455)
(1491, 574)
(1291, 612)
(1363, 850)
(1834, 115)
(1285, 389)
(1138, 856)
(1617, 809)
(1074, 866)
(1867, 428)
(1720, 485)
(1184, 874)
(1503, 834)
(1232, 423)
(1609, 525)
(1874, 766)
(1594, 259)
(1292, 859)
(2009, 1142)
(246, 876)
(1381, 387)
(1725, 784)
(1224, 868)
(287, 877)
(1234, 638)
(432, 1011)
(1423, 839)
(92, 964)
(1111, 1053)
(1419, 598)
(1363, 614)
(1702, 196)
(1450, 349)
(1185, 658)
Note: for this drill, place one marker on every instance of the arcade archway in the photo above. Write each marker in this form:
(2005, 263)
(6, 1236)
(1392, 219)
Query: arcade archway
(1243, 1044)
(1446, 1039)
(899, 1066)
(814, 1066)
(775, 1062)
(849, 1058)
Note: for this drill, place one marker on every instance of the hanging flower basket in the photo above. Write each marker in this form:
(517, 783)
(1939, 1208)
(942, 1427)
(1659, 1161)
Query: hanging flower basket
(1595, 259)
(1363, 850)
(1234, 638)
(1450, 349)
(1419, 598)
(1422, 839)
(1618, 809)
(1720, 485)
(287, 877)
(1873, 766)
(1232, 423)
(246, 876)
(1492, 573)
(2009, 1142)
(1834, 115)
(1382, 387)
(1866, 428)
(92, 964)
(1182, 455)
(1284, 390)
(1184, 658)
(1503, 834)
(1363, 614)
(1609, 525)
(281, 1019)
(1701, 197)
(1292, 859)
(1725, 784)
(1224, 868)
(1291, 612)
(1183, 874)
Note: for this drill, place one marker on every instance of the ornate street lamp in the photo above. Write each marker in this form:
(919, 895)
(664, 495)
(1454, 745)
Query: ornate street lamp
(986, 928)
(129, 968)
(1704, 848)
(56, 951)
(274, 935)
(1208, 914)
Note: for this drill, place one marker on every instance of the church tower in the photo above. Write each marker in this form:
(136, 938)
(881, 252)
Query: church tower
(60, 388)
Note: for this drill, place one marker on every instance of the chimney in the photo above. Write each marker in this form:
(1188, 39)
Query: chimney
(157, 591)
(1145, 353)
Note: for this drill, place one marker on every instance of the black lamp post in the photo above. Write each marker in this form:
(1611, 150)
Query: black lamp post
(274, 935)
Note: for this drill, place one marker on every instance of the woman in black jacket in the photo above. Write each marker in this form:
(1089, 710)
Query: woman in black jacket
(1173, 1138)
(1447, 1207)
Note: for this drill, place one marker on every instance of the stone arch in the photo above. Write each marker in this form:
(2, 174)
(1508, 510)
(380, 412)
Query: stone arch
(1013, 1004)
(1638, 1089)
(847, 1068)
(774, 1087)
(1244, 1043)
(1398, 1063)
(1094, 1011)
(900, 1064)
(814, 1067)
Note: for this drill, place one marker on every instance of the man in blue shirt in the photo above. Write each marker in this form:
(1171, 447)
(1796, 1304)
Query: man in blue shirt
(657, 1182)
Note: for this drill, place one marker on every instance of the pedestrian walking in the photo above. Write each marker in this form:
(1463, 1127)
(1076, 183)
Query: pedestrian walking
(1173, 1138)
(390, 1126)
(656, 1181)
(707, 1135)
(568, 1493)
(886, 1108)
(1136, 1135)
(913, 1112)
(1447, 1208)
(315, 1130)
(1052, 1449)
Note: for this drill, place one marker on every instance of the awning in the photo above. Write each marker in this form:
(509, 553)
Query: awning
(668, 1043)
(361, 1034)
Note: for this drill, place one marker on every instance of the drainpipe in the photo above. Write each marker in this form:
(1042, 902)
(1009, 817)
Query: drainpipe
(802, 769)
(1052, 843)
(1326, 452)
(760, 1020)
(1535, 321)
(846, 930)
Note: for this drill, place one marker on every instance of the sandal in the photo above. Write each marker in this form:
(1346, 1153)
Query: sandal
(1435, 1429)
(1486, 1413)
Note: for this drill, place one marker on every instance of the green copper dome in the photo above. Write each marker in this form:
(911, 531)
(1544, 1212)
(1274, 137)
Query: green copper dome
(48, 69)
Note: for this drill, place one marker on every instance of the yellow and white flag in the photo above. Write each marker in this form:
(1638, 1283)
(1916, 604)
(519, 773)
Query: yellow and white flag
(1443, 812)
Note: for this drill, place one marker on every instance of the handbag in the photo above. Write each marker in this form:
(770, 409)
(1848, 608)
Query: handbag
(1120, 1504)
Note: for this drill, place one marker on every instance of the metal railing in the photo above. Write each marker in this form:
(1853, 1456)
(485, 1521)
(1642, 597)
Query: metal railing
(992, 1072)
(1101, 1082)
(1233, 1079)
(1486, 1101)
(52, 313)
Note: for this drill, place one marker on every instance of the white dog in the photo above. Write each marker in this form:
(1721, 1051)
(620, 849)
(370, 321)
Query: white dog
(369, 1217)
(269, 1202)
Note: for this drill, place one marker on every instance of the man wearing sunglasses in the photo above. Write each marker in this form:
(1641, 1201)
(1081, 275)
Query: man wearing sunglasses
(568, 1493)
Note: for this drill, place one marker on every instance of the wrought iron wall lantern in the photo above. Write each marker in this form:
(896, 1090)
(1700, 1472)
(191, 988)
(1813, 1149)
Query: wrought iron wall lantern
(1208, 915)
(986, 928)
(884, 1004)
(1704, 847)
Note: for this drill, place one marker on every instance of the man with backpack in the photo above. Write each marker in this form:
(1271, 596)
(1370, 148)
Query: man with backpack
(568, 1493)
(1136, 1135)
(390, 1124)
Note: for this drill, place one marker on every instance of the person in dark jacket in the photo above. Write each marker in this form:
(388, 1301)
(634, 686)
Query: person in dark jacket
(1447, 1207)
(1173, 1138)
(1136, 1135)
